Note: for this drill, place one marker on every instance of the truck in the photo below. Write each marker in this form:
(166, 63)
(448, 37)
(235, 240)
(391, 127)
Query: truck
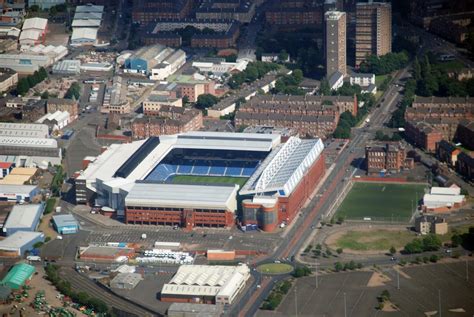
(33, 258)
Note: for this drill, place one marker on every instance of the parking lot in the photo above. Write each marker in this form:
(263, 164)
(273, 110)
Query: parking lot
(418, 294)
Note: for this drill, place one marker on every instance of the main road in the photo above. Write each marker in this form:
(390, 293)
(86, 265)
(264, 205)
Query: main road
(320, 206)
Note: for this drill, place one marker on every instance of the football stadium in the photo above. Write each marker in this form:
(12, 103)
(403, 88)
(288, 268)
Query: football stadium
(204, 179)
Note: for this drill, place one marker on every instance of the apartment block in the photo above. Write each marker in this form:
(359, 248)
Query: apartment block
(423, 135)
(447, 152)
(146, 11)
(443, 114)
(465, 166)
(390, 157)
(290, 15)
(335, 30)
(373, 30)
(168, 120)
(309, 115)
(431, 224)
(465, 134)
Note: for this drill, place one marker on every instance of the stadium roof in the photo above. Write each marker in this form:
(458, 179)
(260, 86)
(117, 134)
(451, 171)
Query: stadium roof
(283, 170)
(23, 216)
(28, 142)
(102, 168)
(207, 280)
(182, 196)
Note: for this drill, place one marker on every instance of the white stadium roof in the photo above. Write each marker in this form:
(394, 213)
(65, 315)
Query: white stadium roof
(282, 171)
(182, 196)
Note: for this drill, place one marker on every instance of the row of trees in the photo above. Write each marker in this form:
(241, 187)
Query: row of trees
(398, 116)
(74, 92)
(276, 296)
(429, 243)
(385, 64)
(30, 81)
(349, 266)
(82, 298)
(254, 71)
(432, 78)
(206, 101)
(288, 84)
(380, 136)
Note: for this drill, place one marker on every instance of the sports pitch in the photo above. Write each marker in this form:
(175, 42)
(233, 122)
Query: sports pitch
(381, 201)
(193, 179)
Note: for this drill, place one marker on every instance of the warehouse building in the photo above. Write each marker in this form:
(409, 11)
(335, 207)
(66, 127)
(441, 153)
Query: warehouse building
(126, 281)
(19, 275)
(18, 243)
(25, 64)
(57, 120)
(23, 218)
(205, 284)
(41, 151)
(33, 31)
(194, 310)
(20, 176)
(65, 224)
(443, 200)
(67, 67)
(18, 193)
(23, 130)
(157, 60)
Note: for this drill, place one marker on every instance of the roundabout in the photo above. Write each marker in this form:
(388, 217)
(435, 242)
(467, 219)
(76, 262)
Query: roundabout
(275, 268)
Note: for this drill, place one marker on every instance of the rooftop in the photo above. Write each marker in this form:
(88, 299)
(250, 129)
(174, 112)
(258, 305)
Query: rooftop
(35, 23)
(65, 220)
(28, 142)
(23, 216)
(181, 196)
(19, 239)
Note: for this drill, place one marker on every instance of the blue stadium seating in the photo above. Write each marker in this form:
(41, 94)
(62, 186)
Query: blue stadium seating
(217, 170)
(233, 171)
(184, 169)
(200, 170)
(248, 171)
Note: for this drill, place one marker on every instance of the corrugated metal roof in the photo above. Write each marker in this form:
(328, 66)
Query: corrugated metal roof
(23, 216)
(65, 220)
(18, 275)
(181, 196)
(35, 23)
(19, 239)
(28, 142)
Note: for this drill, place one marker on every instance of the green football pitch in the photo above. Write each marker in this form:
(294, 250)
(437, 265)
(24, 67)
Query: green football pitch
(381, 201)
(193, 179)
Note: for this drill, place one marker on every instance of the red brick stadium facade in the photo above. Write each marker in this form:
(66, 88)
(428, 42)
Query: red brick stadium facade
(182, 217)
(268, 216)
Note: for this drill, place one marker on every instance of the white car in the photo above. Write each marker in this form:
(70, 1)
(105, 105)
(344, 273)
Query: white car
(59, 237)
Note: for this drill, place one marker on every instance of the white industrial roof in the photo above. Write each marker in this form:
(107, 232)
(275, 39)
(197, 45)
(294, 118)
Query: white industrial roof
(90, 8)
(282, 171)
(30, 34)
(88, 16)
(445, 191)
(24, 130)
(181, 196)
(434, 201)
(59, 116)
(84, 33)
(28, 142)
(23, 216)
(19, 239)
(86, 23)
(17, 189)
(207, 280)
(35, 23)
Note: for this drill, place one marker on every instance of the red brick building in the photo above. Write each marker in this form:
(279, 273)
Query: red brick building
(309, 115)
(168, 120)
(422, 135)
(269, 211)
(465, 134)
(295, 14)
(146, 11)
(391, 157)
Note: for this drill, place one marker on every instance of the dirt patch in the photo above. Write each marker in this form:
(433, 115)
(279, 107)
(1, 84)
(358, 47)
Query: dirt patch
(378, 279)
(47, 227)
(388, 306)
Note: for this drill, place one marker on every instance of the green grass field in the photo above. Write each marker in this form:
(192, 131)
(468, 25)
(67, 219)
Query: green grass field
(190, 179)
(376, 240)
(380, 201)
(379, 79)
(275, 268)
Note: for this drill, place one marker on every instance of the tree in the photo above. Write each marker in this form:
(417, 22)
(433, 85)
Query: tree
(324, 89)
(338, 266)
(45, 95)
(416, 69)
(206, 101)
(23, 86)
(38, 245)
(185, 99)
(416, 246)
(282, 56)
(456, 240)
(74, 92)
(339, 250)
(379, 135)
(392, 250)
(340, 220)
(431, 243)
